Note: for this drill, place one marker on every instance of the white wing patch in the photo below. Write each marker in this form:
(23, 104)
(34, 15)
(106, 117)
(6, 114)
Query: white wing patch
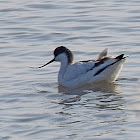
(77, 69)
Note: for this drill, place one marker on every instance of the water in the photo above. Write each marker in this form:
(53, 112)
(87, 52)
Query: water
(32, 105)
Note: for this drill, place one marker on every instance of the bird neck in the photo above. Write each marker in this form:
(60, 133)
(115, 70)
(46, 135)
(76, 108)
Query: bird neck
(63, 66)
(63, 69)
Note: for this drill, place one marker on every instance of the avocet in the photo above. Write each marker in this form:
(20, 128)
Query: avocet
(73, 75)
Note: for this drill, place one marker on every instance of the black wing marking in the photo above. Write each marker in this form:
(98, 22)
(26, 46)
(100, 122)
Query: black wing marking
(87, 61)
(120, 57)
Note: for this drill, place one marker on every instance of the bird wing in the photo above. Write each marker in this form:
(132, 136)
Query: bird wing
(102, 54)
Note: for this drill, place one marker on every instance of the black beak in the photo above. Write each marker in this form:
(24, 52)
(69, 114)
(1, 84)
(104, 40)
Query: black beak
(47, 63)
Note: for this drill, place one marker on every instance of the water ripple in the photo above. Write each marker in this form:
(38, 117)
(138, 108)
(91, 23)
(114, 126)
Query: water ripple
(32, 104)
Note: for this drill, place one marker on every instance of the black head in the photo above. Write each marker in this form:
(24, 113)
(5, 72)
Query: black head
(58, 51)
(63, 49)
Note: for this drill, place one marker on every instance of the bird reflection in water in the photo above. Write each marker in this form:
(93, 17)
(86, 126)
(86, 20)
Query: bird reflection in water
(103, 95)
(102, 104)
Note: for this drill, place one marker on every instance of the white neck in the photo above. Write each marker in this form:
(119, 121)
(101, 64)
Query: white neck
(62, 58)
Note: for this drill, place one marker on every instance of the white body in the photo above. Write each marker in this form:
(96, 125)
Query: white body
(80, 73)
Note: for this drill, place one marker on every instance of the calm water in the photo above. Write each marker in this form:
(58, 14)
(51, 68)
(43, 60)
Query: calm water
(32, 105)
